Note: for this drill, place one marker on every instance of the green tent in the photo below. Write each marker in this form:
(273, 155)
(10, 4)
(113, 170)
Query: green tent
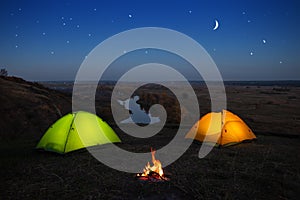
(75, 131)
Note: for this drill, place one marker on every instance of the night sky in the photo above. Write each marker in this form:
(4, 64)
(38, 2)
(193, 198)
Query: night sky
(48, 40)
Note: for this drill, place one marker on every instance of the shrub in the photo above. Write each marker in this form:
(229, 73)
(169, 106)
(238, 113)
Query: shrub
(3, 72)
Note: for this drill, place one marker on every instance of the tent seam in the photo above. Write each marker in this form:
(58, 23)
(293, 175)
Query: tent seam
(69, 132)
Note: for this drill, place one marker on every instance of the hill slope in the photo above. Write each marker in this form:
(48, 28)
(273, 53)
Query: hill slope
(28, 109)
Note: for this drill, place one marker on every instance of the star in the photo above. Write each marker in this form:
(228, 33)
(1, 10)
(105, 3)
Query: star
(280, 62)
(190, 11)
(16, 35)
(20, 9)
(77, 26)
(68, 41)
(95, 9)
(52, 52)
(64, 24)
(16, 46)
(62, 18)
(129, 15)
(89, 35)
(44, 33)
(71, 19)
(251, 53)
(249, 21)
(264, 41)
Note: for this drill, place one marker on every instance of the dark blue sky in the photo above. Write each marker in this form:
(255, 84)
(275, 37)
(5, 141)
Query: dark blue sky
(48, 40)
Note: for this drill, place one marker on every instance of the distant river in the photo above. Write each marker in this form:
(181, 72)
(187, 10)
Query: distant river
(137, 115)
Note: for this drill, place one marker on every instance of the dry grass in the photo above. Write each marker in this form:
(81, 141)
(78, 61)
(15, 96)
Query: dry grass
(268, 168)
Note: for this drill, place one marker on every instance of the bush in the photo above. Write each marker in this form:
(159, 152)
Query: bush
(3, 72)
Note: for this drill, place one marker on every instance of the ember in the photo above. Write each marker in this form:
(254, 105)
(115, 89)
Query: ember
(153, 173)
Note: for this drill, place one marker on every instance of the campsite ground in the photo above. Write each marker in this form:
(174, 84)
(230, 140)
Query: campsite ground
(265, 169)
(268, 168)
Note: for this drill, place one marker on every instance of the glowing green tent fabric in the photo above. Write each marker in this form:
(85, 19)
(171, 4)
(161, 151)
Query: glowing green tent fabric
(75, 131)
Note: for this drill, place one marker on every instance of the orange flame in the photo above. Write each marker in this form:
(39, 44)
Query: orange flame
(155, 168)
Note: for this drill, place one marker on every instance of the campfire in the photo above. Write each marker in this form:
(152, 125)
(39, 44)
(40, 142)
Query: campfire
(153, 173)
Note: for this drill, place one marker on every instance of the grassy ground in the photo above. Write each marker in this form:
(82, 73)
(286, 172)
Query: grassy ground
(268, 168)
(265, 169)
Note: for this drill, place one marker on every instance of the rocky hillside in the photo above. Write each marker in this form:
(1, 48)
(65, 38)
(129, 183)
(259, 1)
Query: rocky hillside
(28, 109)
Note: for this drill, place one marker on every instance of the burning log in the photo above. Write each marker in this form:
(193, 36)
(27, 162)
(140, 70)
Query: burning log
(153, 173)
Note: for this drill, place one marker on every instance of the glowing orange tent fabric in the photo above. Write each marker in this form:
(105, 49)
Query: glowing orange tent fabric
(223, 128)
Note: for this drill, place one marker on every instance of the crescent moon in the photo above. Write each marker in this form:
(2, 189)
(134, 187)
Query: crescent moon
(217, 25)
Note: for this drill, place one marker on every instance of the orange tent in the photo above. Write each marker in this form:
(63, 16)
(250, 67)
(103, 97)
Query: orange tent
(223, 128)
